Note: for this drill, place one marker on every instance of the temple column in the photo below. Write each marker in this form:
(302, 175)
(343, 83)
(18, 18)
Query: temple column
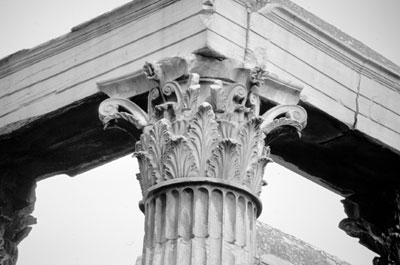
(201, 155)
(374, 218)
(199, 222)
(16, 206)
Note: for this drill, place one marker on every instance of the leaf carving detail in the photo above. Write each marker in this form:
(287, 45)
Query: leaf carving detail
(224, 162)
(145, 176)
(156, 140)
(203, 134)
(228, 129)
(250, 136)
(221, 138)
(256, 173)
(179, 127)
(179, 160)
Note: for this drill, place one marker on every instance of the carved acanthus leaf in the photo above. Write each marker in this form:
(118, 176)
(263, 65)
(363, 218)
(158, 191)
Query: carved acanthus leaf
(224, 162)
(228, 129)
(203, 133)
(156, 141)
(250, 140)
(198, 131)
(145, 176)
(256, 172)
(179, 161)
(179, 127)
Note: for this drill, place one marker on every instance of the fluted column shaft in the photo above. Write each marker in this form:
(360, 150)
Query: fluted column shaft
(199, 224)
(201, 157)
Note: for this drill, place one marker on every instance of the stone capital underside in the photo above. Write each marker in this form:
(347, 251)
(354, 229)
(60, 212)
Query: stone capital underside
(202, 156)
(15, 215)
(379, 232)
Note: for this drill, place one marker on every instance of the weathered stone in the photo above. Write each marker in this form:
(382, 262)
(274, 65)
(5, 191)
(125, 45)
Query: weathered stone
(379, 233)
(277, 247)
(15, 215)
(201, 159)
(351, 93)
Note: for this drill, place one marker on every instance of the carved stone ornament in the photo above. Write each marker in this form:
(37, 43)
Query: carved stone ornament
(382, 238)
(15, 216)
(201, 157)
(196, 128)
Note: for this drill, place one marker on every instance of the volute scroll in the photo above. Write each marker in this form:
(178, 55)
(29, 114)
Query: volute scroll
(203, 128)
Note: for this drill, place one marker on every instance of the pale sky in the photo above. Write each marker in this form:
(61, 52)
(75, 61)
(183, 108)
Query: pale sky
(93, 218)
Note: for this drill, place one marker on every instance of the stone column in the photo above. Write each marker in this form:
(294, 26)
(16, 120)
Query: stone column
(201, 155)
(17, 198)
(374, 218)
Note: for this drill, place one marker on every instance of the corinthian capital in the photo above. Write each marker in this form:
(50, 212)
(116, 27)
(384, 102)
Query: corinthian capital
(198, 128)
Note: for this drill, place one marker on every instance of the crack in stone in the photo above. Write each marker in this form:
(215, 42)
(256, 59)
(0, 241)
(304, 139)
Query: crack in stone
(246, 49)
(327, 141)
(356, 113)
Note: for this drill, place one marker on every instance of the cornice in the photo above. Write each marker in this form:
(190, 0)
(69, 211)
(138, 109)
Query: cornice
(357, 55)
(334, 42)
(81, 33)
